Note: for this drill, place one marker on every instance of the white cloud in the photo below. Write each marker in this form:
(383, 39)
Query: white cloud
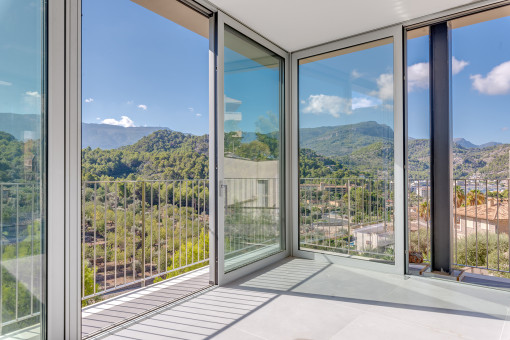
(385, 85)
(97, 118)
(5, 83)
(496, 82)
(199, 115)
(364, 102)
(190, 109)
(143, 107)
(34, 94)
(418, 76)
(130, 102)
(124, 121)
(333, 105)
(458, 65)
(89, 100)
(355, 74)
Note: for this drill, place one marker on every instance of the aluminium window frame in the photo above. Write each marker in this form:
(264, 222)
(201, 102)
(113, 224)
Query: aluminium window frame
(63, 309)
(398, 266)
(222, 277)
(422, 22)
(54, 322)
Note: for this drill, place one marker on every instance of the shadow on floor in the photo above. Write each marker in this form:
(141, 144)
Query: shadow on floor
(307, 284)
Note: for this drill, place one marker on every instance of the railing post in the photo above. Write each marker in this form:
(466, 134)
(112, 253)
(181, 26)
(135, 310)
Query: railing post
(143, 233)
(348, 216)
(1, 251)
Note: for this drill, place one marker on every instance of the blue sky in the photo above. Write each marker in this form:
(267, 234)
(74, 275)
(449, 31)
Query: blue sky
(481, 83)
(347, 89)
(20, 56)
(139, 65)
(256, 86)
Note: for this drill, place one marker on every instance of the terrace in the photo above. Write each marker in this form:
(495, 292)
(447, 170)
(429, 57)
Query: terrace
(198, 169)
(174, 222)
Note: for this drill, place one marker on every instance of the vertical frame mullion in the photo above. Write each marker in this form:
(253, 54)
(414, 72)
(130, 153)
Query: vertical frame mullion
(441, 141)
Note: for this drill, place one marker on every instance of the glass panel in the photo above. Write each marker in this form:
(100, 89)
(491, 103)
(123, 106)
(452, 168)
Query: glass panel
(346, 151)
(145, 154)
(418, 125)
(253, 150)
(22, 167)
(481, 152)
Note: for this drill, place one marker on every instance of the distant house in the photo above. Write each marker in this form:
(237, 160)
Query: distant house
(421, 189)
(377, 236)
(339, 189)
(491, 216)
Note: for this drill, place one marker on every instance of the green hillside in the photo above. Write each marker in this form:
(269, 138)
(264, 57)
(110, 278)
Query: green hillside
(338, 152)
(343, 140)
(486, 162)
(367, 147)
(164, 154)
(13, 155)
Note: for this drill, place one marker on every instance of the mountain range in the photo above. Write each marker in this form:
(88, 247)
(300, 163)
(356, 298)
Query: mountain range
(365, 147)
(468, 145)
(343, 140)
(368, 146)
(21, 126)
(106, 136)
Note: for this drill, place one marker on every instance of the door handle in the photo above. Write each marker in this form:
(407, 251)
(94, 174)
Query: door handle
(224, 187)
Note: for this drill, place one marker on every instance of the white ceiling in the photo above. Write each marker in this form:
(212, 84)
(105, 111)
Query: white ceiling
(297, 24)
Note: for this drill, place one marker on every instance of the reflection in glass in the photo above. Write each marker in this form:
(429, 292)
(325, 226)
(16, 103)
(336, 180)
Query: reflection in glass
(22, 195)
(252, 144)
(418, 125)
(480, 83)
(346, 151)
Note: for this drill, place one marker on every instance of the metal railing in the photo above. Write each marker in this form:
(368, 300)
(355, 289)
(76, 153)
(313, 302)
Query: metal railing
(136, 231)
(418, 214)
(480, 228)
(252, 219)
(352, 216)
(20, 253)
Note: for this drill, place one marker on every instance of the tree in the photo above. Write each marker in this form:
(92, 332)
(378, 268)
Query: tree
(255, 150)
(460, 197)
(192, 252)
(475, 197)
(424, 211)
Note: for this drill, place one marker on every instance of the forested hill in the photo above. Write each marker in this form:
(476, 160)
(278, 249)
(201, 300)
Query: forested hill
(164, 154)
(368, 148)
(18, 160)
(364, 149)
(486, 161)
(342, 140)
(166, 140)
(11, 158)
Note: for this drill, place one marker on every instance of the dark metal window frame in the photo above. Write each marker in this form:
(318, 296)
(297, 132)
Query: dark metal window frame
(441, 134)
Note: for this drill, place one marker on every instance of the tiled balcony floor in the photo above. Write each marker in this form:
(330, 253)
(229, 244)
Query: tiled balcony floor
(118, 309)
(304, 299)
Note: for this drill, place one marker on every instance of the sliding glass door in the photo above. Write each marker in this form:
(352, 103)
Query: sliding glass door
(476, 238)
(22, 168)
(349, 149)
(251, 140)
